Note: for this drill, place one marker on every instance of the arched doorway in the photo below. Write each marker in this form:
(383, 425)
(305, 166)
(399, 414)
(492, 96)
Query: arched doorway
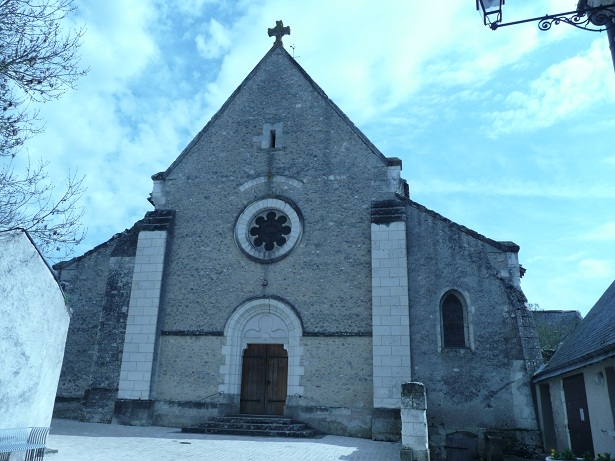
(262, 356)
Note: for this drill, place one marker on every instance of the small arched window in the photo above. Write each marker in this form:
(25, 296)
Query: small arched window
(454, 322)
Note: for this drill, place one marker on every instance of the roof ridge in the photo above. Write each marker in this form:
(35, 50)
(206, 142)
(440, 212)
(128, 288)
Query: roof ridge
(506, 246)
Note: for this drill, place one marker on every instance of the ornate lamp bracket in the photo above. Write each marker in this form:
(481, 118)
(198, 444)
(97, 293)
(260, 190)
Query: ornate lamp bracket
(593, 19)
(591, 15)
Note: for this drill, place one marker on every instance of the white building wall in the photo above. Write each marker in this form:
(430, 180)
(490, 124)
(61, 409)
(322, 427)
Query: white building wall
(32, 334)
(600, 408)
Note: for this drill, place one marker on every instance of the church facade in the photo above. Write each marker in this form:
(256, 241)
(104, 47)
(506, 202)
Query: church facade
(285, 270)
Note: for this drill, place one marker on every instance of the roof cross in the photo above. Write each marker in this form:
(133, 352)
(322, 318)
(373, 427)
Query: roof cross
(278, 31)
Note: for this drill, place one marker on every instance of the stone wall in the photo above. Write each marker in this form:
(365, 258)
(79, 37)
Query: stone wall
(327, 176)
(189, 368)
(337, 371)
(98, 291)
(329, 173)
(188, 378)
(477, 388)
(329, 270)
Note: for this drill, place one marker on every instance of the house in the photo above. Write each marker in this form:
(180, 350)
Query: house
(32, 333)
(576, 388)
(285, 270)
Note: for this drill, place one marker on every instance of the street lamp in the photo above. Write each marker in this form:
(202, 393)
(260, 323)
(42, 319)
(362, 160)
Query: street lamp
(591, 15)
(491, 11)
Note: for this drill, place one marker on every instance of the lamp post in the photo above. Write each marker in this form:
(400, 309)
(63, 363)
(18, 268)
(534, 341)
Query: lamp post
(591, 15)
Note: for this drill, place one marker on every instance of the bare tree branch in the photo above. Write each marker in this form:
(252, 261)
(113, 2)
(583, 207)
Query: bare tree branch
(38, 63)
(28, 202)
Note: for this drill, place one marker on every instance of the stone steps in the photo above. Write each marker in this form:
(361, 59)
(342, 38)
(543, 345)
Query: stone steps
(255, 426)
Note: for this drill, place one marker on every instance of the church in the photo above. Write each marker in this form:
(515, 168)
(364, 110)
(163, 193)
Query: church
(285, 270)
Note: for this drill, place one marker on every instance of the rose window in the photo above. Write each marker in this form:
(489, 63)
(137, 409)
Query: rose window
(270, 230)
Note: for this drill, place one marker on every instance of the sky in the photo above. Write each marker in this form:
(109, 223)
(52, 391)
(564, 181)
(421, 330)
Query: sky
(506, 132)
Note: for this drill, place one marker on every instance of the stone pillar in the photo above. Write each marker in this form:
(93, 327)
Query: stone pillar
(390, 316)
(134, 406)
(414, 437)
(395, 183)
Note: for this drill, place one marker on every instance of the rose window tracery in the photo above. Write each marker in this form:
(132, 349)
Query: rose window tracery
(270, 229)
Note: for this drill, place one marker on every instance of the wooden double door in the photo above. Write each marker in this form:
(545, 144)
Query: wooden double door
(264, 379)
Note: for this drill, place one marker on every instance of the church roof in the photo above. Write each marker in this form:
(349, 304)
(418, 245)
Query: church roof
(265, 66)
(591, 341)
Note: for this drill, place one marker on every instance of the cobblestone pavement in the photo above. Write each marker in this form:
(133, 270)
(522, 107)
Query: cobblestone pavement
(75, 441)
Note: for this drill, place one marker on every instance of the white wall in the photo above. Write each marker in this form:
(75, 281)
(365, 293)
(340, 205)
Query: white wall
(598, 403)
(33, 327)
(600, 414)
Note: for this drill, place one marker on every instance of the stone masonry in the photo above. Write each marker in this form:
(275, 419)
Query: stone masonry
(281, 227)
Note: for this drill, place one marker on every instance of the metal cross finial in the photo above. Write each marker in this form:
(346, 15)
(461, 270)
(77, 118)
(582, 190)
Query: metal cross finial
(278, 31)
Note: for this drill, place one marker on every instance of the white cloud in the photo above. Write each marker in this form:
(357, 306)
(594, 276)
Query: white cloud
(191, 7)
(595, 269)
(515, 188)
(419, 77)
(215, 42)
(117, 44)
(554, 96)
(382, 55)
(578, 289)
(606, 232)
(106, 130)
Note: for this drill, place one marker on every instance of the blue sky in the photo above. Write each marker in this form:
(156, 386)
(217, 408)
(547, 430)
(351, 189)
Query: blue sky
(507, 132)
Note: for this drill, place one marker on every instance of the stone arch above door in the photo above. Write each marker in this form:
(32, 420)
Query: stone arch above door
(261, 321)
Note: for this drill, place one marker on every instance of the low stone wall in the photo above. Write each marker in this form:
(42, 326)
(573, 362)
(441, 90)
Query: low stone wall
(386, 424)
(348, 422)
(67, 408)
(183, 414)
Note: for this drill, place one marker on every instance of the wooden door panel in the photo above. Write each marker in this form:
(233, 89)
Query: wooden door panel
(577, 411)
(252, 378)
(264, 379)
(277, 380)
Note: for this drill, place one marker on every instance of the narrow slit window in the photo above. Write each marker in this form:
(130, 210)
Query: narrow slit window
(272, 139)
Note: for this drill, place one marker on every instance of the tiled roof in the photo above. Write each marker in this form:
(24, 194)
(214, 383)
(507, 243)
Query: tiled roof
(591, 341)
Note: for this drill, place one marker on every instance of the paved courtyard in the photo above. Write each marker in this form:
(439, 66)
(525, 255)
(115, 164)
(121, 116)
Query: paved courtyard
(75, 440)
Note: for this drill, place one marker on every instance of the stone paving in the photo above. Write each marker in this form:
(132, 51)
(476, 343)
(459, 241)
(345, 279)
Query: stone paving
(75, 440)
